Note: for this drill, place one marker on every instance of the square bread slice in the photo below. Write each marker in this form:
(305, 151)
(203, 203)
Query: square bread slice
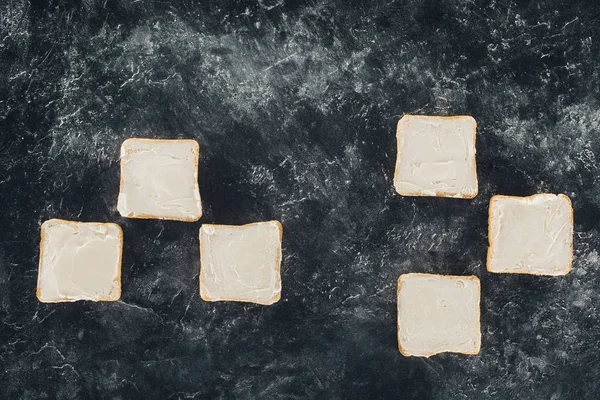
(79, 261)
(436, 156)
(530, 235)
(241, 263)
(438, 313)
(159, 179)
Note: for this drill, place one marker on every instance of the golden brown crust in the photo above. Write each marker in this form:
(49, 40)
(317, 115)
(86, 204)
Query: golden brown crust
(117, 280)
(195, 150)
(268, 302)
(491, 220)
(493, 201)
(42, 239)
(148, 216)
(275, 298)
(450, 117)
(572, 221)
(116, 297)
(437, 194)
(451, 277)
(405, 354)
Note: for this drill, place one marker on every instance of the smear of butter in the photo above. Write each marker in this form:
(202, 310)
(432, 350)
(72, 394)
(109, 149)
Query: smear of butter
(241, 263)
(79, 261)
(436, 156)
(438, 313)
(531, 235)
(159, 179)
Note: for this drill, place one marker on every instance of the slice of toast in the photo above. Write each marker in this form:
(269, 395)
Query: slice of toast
(530, 235)
(438, 313)
(159, 179)
(241, 263)
(436, 156)
(79, 261)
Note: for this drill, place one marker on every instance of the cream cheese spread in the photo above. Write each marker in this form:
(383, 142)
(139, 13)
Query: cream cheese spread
(438, 313)
(159, 179)
(530, 235)
(241, 263)
(436, 156)
(79, 261)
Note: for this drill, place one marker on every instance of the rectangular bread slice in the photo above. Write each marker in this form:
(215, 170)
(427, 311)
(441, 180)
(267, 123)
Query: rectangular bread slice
(79, 261)
(159, 179)
(530, 235)
(436, 156)
(438, 313)
(241, 263)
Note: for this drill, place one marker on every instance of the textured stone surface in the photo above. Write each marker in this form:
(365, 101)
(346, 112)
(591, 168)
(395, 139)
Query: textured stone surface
(294, 105)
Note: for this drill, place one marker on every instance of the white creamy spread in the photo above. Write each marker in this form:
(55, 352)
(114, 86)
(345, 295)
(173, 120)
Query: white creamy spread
(531, 235)
(79, 261)
(159, 179)
(436, 156)
(438, 313)
(241, 263)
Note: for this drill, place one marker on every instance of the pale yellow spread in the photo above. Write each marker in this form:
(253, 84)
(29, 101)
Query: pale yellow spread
(160, 179)
(79, 261)
(438, 314)
(531, 235)
(436, 156)
(241, 263)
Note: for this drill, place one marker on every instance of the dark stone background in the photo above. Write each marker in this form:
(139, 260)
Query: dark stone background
(294, 105)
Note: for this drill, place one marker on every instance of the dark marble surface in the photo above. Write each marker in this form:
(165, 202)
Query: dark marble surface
(294, 105)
